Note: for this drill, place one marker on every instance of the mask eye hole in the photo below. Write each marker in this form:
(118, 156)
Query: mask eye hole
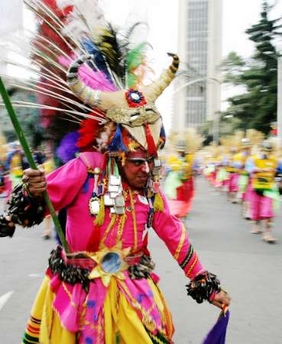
(135, 114)
(151, 110)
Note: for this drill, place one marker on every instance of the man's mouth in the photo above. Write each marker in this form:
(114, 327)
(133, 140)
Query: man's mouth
(142, 178)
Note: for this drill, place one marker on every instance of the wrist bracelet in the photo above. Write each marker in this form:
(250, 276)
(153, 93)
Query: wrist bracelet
(203, 287)
(23, 209)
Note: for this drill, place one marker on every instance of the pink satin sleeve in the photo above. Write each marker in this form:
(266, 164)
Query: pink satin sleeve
(65, 182)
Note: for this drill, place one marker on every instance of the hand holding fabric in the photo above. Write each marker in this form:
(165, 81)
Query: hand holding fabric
(221, 299)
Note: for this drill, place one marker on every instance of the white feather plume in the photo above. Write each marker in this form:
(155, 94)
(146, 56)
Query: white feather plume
(87, 17)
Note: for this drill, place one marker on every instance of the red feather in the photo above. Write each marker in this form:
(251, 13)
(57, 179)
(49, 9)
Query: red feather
(46, 30)
(44, 43)
(88, 131)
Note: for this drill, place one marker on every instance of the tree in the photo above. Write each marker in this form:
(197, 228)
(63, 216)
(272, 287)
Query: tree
(256, 105)
(28, 117)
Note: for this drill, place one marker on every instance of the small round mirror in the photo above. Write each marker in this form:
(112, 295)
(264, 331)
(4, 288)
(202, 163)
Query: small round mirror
(111, 262)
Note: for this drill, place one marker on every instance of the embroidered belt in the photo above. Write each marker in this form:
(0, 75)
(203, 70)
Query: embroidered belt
(84, 260)
(82, 268)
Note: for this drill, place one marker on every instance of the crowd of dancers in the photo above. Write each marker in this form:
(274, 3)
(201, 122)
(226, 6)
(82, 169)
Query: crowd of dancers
(247, 173)
(250, 175)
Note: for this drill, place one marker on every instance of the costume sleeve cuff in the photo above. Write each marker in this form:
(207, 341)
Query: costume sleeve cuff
(203, 287)
(23, 209)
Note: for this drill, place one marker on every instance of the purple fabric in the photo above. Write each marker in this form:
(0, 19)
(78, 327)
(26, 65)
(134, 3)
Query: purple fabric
(67, 149)
(218, 333)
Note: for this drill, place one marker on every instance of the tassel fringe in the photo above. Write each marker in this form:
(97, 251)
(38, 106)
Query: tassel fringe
(158, 203)
(100, 218)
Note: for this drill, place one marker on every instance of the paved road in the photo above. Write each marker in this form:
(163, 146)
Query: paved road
(249, 268)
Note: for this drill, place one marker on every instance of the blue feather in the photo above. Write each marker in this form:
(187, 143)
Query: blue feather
(162, 137)
(117, 143)
(162, 133)
(99, 60)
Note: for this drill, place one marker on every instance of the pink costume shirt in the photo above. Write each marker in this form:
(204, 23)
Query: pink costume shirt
(71, 187)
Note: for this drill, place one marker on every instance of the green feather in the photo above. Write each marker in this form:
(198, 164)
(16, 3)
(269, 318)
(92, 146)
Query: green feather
(134, 59)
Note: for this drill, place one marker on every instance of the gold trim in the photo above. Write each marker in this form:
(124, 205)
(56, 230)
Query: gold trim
(183, 234)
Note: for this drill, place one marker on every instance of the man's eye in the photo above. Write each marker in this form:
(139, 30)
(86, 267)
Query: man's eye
(138, 162)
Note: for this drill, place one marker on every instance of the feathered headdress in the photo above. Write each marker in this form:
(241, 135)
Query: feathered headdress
(188, 141)
(92, 75)
(130, 109)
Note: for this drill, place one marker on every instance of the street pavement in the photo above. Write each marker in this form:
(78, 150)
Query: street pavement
(250, 269)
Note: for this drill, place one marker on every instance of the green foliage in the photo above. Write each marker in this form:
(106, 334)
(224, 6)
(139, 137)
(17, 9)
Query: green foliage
(255, 106)
(27, 116)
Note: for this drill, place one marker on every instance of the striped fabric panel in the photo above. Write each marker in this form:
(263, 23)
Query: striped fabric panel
(158, 338)
(188, 257)
(31, 334)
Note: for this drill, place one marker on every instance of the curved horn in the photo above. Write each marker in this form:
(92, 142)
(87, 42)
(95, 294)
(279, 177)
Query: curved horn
(106, 100)
(153, 90)
(82, 91)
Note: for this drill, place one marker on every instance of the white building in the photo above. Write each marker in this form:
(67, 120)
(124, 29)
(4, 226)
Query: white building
(197, 96)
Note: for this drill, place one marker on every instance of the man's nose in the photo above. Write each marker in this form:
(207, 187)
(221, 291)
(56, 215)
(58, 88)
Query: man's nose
(145, 167)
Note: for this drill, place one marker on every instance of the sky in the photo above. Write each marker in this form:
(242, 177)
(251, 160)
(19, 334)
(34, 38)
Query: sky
(238, 15)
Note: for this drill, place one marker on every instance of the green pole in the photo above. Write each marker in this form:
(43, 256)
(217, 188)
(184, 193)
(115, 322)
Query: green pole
(30, 160)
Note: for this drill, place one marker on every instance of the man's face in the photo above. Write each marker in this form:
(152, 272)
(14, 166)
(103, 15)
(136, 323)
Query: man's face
(137, 168)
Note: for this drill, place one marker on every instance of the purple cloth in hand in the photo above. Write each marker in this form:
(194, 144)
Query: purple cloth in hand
(218, 333)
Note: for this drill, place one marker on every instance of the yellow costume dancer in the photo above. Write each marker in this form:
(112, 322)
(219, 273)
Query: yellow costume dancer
(179, 184)
(262, 168)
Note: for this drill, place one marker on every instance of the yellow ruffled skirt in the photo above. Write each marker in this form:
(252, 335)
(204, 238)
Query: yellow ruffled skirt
(120, 322)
